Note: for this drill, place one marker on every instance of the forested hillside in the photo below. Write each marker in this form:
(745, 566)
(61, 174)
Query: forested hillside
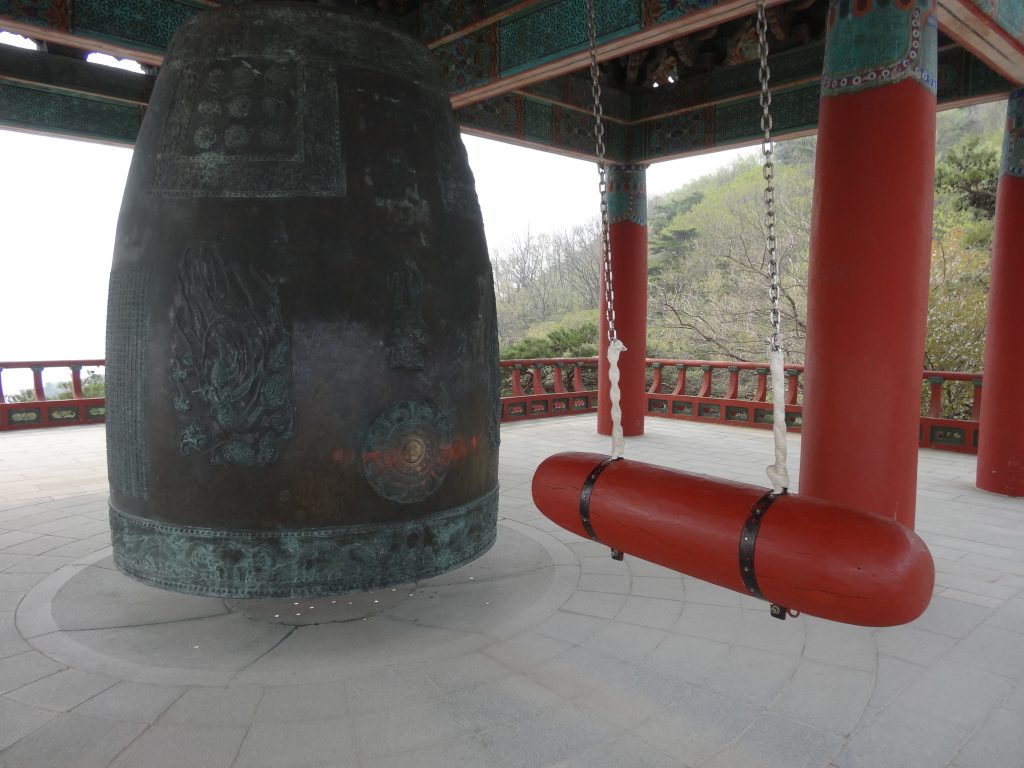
(708, 277)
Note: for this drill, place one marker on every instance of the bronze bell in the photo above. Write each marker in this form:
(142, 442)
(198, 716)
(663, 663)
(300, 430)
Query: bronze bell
(302, 362)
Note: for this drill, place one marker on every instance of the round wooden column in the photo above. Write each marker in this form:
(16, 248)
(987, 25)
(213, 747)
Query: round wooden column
(870, 249)
(1001, 431)
(627, 215)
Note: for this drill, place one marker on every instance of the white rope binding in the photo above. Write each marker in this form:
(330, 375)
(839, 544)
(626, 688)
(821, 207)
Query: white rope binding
(615, 348)
(777, 472)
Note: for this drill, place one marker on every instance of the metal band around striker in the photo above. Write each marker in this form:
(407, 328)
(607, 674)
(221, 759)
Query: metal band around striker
(748, 540)
(588, 490)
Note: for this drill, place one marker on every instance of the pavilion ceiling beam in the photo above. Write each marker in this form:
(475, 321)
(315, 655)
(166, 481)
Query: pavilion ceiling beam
(444, 21)
(75, 75)
(550, 39)
(63, 113)
(139, 30)
(730, 121)
(995, 33)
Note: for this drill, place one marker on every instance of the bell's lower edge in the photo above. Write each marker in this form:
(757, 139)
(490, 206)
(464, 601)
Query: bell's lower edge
(305, 562)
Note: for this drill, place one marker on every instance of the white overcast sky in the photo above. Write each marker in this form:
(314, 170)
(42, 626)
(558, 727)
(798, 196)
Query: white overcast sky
(59, 200)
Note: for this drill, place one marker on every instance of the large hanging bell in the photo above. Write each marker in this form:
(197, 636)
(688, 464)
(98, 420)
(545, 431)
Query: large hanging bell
(302, 362)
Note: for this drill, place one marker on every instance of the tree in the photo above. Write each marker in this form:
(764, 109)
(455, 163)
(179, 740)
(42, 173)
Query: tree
(709, 295)
(970, 172)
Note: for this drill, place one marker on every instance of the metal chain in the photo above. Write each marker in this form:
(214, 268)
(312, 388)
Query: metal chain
(767, 148)
(602, 171)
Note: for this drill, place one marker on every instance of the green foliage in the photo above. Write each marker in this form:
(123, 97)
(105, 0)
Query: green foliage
(547, 279)
(23, 396)
(966, 176)
(92, 386)
(708, 294)
(564, 341)
(969, 172)
(952, 125)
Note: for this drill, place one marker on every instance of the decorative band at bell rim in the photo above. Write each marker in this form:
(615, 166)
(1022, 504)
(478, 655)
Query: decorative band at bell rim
(302, 362)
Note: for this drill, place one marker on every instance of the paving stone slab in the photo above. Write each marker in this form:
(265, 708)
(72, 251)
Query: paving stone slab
(700, 726)
(406, 729)
(130, 702)
(899, 738)
(998, 742)
(17, 720)
(214, 706)
(175, 745)
(23, 668)
(62, 691)
(826, 696)
(72, 741)
(551, 736)
(468, 752)
(320, 742)
(777, 742)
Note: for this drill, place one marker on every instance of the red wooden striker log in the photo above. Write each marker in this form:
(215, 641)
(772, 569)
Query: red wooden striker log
(802, 553)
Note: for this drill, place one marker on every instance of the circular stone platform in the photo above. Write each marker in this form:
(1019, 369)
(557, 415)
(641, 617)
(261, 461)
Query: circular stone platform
(94, 618)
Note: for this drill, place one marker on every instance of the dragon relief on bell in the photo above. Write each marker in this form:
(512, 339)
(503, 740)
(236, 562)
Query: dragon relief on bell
(231, 354)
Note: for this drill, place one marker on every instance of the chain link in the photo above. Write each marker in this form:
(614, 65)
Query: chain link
(602, 171)
(767, 148)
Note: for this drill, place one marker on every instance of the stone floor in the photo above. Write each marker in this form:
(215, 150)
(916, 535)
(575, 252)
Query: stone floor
(545, 652)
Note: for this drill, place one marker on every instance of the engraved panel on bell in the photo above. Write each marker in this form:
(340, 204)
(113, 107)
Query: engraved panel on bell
(244, 108)
(250, 126)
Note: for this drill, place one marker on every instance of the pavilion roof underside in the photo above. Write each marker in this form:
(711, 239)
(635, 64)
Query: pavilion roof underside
(679, 77)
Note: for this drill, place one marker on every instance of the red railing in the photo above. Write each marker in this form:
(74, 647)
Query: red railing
(698, 390)
(950, 434)
(719, 392)
(541, 387)
(738, 394)
(44, 412)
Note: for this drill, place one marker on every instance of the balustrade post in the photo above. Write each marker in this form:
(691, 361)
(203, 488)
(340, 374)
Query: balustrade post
(1000, 432)
(76, 382)
(577, 377)
(627, 216)
(976, 400)
(517, 381)
(733, 390)
(655, 378)
(37, 382)
(792, 386)
(935, 396)
(557, 372)
(680, 388)
(871, 238)
(761, 393)
(537, 385)
(705, 384)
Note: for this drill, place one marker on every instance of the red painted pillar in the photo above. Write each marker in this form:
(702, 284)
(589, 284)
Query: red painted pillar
(1001, 428)
(870, 248)
(627, 214)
